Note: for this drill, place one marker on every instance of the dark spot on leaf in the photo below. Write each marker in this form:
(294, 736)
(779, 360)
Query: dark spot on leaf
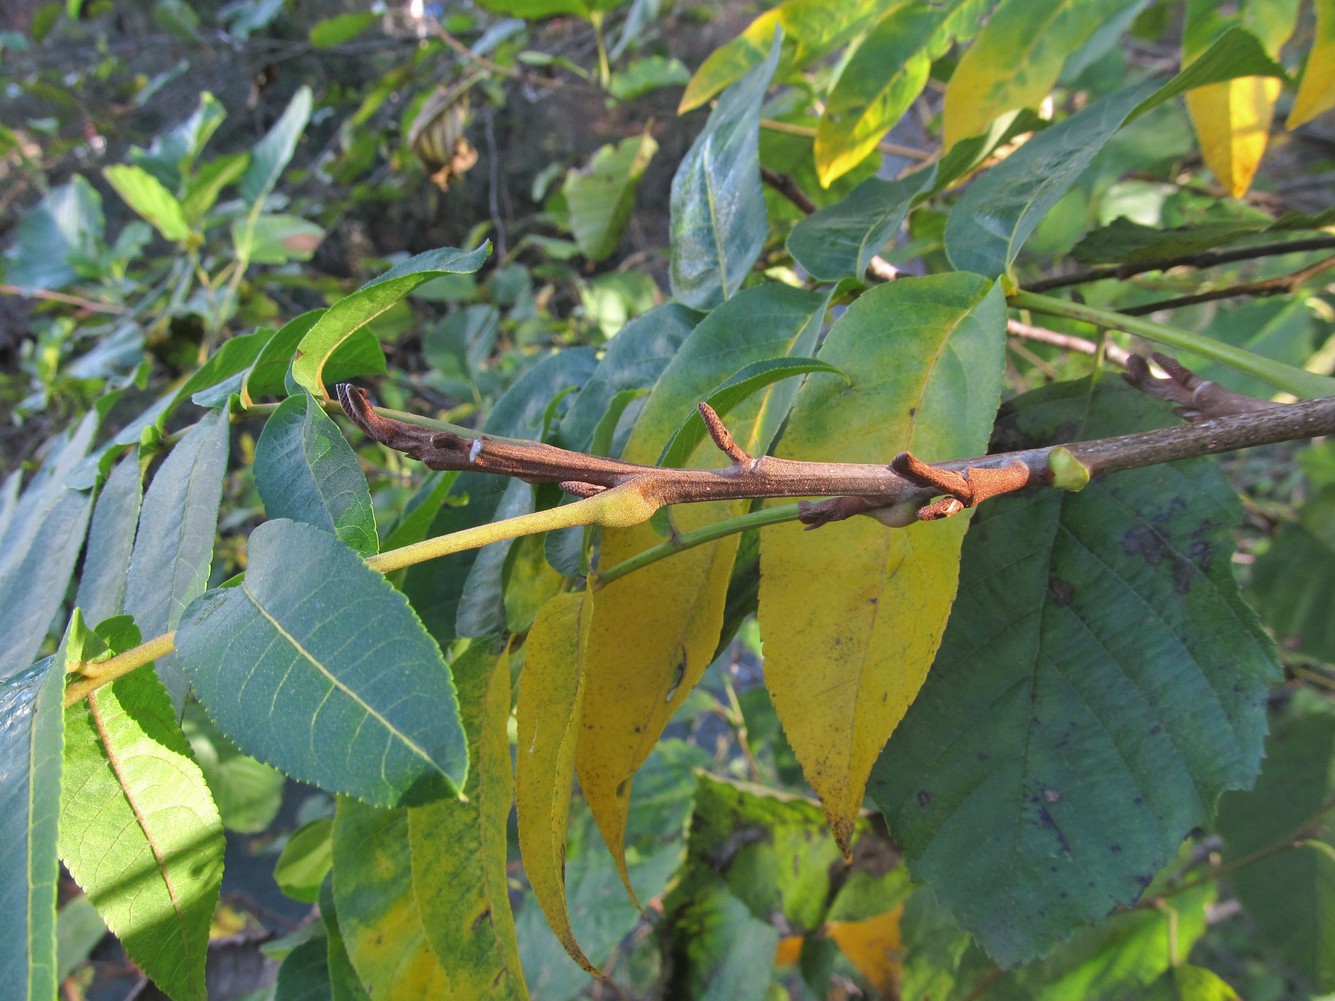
(1156, 729)
(1115, 849)
(484, 916)
(621, 788)
(983, 756)
(913, 411)
(924, 798)
(1145, 542)
(1048, 822)
(1061, 591)
(1143, 882)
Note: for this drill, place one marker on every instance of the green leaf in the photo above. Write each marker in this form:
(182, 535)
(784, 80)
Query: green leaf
(647, 74)
(307, 692)
(273, 152)
(304, 975)
(146, 195)
(999, 210)
(1234, 54)
(268, 371)
(881, 79)
(67, 223)
(1191, 983)
(601, 195)
(353, 312)
(172, 154)
(718, 209)
(31, 733)
(40, 546)
(737, 388)
(207, 183)
(248, 793)
(79, 929)
(139, 830)
(110, 541)
(306, 470)
(277, 239)
(306, 859)
(481, 609)
(332, 31)
(1099, 685)
(840, 241)
(458, 847)
(1296, 606)
(342, 977)
(727, 954)
(436, 588)
(1290, 894)
(173, 550)
(844, 661)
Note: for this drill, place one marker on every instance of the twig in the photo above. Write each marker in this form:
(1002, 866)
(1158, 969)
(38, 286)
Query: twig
(69, 300)
(894, 149)
(1206, 259)
(1281, 285)
(787, 187)
(1070, 342)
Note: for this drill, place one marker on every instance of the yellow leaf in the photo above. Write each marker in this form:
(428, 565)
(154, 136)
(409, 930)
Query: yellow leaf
(1232, 122)
(873, 946)
(548, 717)
(654, 631)
(1015, 61)
(789, 950)
(852, 613)
(1316, 93)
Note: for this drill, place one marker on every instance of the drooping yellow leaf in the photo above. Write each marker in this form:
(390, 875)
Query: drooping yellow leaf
(1015, 61)
(654, 631)
(1232, 122)
(852, 613)
(789, 950)
(873, 946)
(548, 717)
(881, 80)
(811, 28)
(1316, 93)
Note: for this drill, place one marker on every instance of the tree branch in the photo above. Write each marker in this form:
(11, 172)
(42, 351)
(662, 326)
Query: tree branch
(1281, 285)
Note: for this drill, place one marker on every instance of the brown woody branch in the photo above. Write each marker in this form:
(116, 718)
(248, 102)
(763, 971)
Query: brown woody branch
(1280, 285)
(904, 490)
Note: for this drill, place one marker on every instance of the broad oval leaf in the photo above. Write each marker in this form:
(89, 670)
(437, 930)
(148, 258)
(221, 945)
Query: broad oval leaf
(1035, 35)
(600, 196)
(691, 432)
(875, 88)
(631, 690)
(1000, 210)
(843, 662)
(548, 716)
(302, 868)
(306, 471)
(68, 221)
(31, 728)
(139, 830)
(1099, 685)
(351, 313)
(718, 209)
(39, 547)
(173, 549)
(459, 847)
(149, 198)
(316, 665)
(840, 241)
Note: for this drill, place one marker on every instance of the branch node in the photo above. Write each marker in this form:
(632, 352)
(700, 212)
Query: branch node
(963, 490)
(1197, 399)
(722, 437)
(580, 489)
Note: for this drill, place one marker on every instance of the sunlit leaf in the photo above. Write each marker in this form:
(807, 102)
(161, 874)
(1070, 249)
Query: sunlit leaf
(718, 210)
(1316, 91)
(631, 690)
(146, 195)
(549, 723)
(335, 682)
(173, 549)
(843, 662)
(600, 196)
(1099, 684)
(139, 830)
(353, 312)
(273, 152)
(306, 859)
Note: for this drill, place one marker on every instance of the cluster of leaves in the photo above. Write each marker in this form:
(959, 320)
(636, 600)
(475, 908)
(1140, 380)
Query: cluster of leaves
(1044, 702)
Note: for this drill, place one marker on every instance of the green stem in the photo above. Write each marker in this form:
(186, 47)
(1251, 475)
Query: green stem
(688, 540)
(1286, 377)
(104, 672)
(604, 66)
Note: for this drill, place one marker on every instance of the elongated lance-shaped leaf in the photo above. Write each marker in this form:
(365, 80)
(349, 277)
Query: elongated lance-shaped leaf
(458, 847)
(110, 542)
(999, 211)
(39, 548)
(1316, 91)
(843, 662)
(306, 470)
(1099, 685)
(1232, 122)
(316, 665)
(881, 79)
(631, 690)
(147, 196)
(548, 716)
(601, 195)
(350, 314)
(839, 241)
(31, 734)
(379, 915)
(1037, 35)
(718, 209)
(343, 982)
(139, 830)
(173, 550)
(273, 152)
